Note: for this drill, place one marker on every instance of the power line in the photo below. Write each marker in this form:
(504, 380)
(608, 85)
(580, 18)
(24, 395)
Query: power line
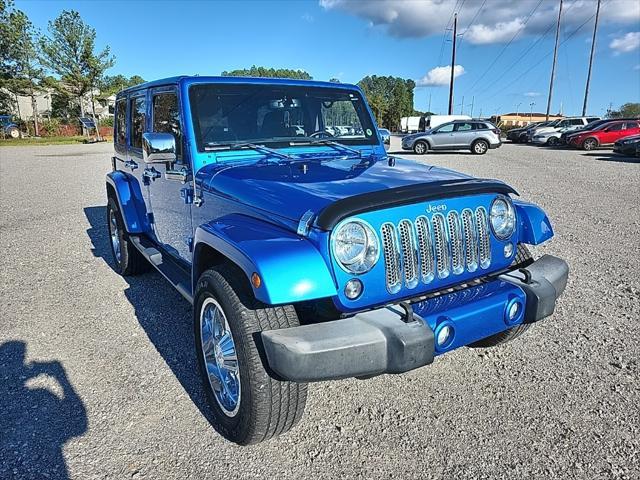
(507, 45)
(473, 19)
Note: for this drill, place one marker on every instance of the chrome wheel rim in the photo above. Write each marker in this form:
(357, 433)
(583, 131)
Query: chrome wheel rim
(115, 235)
(480, 147)
(220, 357)
(420, 149)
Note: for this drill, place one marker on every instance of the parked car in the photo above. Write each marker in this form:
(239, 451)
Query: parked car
(312, 258)
(522, 135)
(8, 127)
(385, 136)
(475, 135)
(605, 134)
(549, 133)
(565, 137)
(627, 145)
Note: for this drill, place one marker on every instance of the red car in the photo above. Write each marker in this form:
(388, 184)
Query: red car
(606, 134)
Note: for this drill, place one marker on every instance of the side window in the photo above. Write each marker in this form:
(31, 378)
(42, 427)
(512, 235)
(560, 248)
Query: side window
(166, 117)
(448, 128)
(138, 113)
(629, 125)
(464, 127)
(616, 127)
(121, 121)
(577, 121)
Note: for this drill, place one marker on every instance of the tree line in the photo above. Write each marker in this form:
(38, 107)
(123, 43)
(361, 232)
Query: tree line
(63, 60)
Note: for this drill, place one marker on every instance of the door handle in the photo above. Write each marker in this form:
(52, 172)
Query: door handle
(131, 164)
(151, 173)
(181, 175)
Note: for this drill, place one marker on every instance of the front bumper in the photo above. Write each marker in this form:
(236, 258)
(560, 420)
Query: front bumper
(628, 149)
(387, 341)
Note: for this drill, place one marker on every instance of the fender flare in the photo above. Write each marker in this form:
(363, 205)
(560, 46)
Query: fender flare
(290, 267)
(130, 200)
(534, 225)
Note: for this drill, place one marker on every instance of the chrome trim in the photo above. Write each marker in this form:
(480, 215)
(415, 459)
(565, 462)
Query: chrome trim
(441, 245)
(470, 235)
(455, 243)
(158, 148)
(484, 244)
(304, 224)
(392, 265)
(409, 253)
(425, 247)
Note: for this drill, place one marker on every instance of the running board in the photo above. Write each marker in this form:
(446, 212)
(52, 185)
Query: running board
(168, 267)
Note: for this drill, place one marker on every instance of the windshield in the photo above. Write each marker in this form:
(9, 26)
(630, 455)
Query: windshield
(278, 115)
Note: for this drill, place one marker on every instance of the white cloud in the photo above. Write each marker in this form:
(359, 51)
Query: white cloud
(532, 94)
(625, 44)
(637, 67)
(498, 21)
(307, 17)
(440, 76)
(500, 33)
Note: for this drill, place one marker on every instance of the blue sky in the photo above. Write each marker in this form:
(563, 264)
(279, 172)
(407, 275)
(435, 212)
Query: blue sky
(349, 39)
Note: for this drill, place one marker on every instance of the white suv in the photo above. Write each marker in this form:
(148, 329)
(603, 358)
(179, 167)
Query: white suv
(550, 135)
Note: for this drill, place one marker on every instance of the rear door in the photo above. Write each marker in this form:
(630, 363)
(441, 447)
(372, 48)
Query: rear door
(610, 133)
(464, 134)
(169, 184)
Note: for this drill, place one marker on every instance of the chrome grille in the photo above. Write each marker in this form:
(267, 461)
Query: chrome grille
(391, 257)
(418, 251)
(409, 253)
(425, 247)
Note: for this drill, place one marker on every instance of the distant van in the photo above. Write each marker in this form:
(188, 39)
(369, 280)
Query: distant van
(432, 121)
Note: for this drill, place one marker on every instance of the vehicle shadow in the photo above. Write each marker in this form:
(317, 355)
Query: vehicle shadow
(612, 157)
(39, 412)
(160, 310)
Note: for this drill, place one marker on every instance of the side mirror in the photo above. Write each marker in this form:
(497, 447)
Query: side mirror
(158, 148)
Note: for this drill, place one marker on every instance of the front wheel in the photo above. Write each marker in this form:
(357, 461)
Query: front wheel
(14, 132)
(248, 405)
(420, 147)
(552, 142)
(590, 144)
(479, 147)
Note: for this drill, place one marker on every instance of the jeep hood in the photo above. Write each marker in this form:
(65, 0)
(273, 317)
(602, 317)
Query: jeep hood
(289, 189)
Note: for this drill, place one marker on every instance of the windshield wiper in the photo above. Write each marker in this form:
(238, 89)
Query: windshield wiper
(330, 143)
(209, 147)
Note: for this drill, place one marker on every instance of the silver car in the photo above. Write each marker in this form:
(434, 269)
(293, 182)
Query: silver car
(475, 135)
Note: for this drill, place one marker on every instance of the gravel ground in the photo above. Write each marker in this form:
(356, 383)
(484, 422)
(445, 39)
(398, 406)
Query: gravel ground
(98, 375)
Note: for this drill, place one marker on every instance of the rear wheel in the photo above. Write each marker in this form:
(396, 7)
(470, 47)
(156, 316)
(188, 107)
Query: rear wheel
(590, 144)
(479, 147)
(248, 405)
(420, 147)
(127, 258)
(553, 141)
(522, 259)
(14, 132)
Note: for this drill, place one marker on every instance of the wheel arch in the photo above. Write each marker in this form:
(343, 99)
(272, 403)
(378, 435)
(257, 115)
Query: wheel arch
(595, 139)
(291, 269)
(128, 196)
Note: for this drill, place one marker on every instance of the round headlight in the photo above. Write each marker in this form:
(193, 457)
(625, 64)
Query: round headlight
(503, 217)
(355, 246)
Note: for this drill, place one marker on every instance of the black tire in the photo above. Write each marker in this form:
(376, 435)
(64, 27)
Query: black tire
(552, 142)
(522, 259)
(479, 147)
(130, 261)
(589, 144)
(13, 132)
(420, 147)
(267, 407)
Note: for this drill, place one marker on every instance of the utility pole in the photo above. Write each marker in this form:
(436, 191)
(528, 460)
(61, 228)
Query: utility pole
(480, 114)
(473, 99)
(555, 58)
(593, 49)
(517, 108)
(453, 61)
(462, 106)
(531, 111)
(429, 109)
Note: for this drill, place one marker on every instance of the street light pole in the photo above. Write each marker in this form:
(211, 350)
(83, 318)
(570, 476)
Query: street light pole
(531, 112)
(453, 62)
(555, 58)
(593, 48)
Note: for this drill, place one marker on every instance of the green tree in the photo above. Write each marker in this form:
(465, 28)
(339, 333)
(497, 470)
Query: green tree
(110, 85)
(265, 72)
(69, 51)
(628, 110)
(20, 72)
(390, 98)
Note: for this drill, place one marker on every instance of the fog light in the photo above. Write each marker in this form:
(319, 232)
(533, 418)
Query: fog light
(514, 309)
(444, 335)
(508, 250)
(353, 289)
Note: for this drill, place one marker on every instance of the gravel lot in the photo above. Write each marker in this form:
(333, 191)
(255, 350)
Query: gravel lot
(98, 376)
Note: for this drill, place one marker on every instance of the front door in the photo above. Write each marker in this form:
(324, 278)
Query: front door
(464, 134)
(168, 190)
(442, 137)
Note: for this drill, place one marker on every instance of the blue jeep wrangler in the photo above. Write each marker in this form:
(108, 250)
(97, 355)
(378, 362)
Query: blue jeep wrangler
(307, 251)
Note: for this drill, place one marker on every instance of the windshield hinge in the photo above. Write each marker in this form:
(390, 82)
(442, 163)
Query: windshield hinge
(304, 225)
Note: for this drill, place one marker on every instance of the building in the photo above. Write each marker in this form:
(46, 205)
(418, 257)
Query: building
(522, 119)
(23, 108)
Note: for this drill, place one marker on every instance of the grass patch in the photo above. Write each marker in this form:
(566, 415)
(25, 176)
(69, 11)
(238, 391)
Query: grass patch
(18, 142)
